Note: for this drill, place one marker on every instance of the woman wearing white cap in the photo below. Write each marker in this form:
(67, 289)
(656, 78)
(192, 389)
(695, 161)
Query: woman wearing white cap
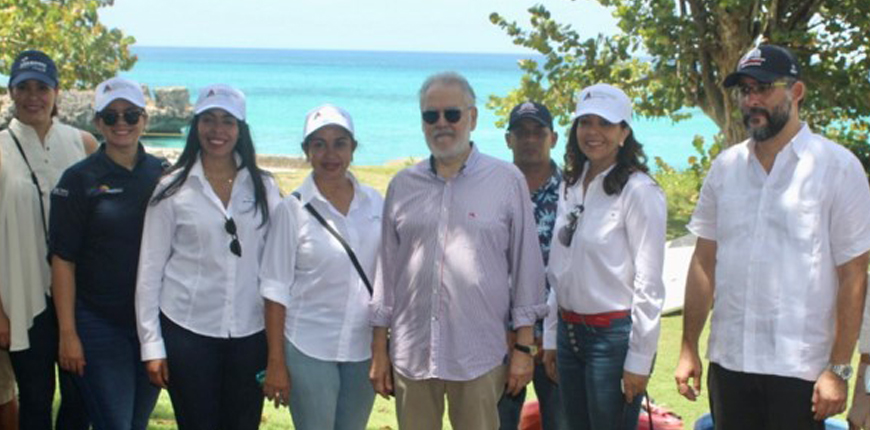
(97, 210)
(199, 312)
(315, 277)
(605, 268)
(34, 150)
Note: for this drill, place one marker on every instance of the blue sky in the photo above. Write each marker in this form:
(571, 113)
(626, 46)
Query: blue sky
(399, 25)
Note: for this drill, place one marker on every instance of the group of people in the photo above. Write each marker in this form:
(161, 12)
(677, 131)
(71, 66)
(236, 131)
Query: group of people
(472, 276)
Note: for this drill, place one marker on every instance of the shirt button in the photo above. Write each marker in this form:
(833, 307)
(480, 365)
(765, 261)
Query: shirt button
(433, 318)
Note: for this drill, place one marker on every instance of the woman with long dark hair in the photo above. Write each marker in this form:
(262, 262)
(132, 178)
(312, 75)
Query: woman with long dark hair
(199, 311)
(97, 211)
(605, 267)
(34, 150)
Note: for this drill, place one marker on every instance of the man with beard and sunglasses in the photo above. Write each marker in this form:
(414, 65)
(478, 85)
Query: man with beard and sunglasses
(459, 258)
(783, 240)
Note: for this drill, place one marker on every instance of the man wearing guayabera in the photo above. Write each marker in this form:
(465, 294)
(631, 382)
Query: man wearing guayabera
(530, 137)
(459, 258)
(783, 235)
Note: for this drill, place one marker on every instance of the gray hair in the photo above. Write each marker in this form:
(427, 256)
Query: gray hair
(448, 78)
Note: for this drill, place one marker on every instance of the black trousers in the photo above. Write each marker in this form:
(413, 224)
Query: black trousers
(750, 401)
(212, 381)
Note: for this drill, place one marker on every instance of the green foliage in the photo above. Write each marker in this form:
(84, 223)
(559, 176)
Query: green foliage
(689, 46)
(85, 51)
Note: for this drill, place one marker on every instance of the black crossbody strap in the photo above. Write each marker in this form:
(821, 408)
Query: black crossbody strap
(35, 183)
(347, 248)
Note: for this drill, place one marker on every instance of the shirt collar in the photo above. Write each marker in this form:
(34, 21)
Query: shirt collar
(197, 171)
(109, 165)
(470, 162)
(308, 191)
(23, 130)
(797, 145)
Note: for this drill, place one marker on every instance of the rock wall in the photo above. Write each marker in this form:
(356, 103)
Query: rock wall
(169, 109)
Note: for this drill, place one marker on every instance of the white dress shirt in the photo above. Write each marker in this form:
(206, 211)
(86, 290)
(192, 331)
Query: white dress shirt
(614, 262)
(780, 237)
(306, 270)
(186, 269)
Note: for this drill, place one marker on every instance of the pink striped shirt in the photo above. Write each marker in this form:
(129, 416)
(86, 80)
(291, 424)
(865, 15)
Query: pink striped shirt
(451, 251)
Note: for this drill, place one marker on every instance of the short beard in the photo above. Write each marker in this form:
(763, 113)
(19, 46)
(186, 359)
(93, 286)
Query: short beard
(776, 121)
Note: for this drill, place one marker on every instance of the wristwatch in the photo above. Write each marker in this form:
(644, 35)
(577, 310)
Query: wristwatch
(528, 349)
(843, 371)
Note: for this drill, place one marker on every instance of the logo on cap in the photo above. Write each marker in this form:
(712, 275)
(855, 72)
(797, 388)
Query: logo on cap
(752, 59)
(210, 93)
(107, 89)
(588, 96)
(27, 63)
(527, 107)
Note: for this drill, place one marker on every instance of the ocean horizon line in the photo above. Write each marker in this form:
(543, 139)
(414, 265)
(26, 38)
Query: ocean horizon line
(529, 53)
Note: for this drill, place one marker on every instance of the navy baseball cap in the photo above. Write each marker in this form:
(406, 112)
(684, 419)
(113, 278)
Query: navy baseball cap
(33, 64)
(766, 63)
(533, 110)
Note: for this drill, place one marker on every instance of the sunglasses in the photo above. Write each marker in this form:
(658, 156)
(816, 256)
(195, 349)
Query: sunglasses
(111, 117)
(235, 246)
(566, 233)
(762, 88)
(452, 115)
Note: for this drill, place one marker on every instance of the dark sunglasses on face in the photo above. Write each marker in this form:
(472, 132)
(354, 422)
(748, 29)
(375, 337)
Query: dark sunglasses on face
(452, 115)
(566, 233)
(235, 246)
(762, 88)
(111, 117)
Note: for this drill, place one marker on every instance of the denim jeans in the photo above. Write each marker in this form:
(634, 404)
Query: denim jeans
(35, 373)
(328, 395)
(115, 385)
(213, 381)
(552, 417)
(590, 361)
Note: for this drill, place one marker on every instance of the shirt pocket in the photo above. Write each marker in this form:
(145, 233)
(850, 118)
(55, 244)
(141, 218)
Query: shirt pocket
(598, 226)
(733, 218)
(803, 221)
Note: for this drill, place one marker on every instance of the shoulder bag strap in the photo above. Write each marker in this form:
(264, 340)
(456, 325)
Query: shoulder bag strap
(35, 183)
(347, 248)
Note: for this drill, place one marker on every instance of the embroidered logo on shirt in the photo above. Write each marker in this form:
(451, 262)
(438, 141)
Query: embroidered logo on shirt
(61, 192)
(472, 215)
(105, 189)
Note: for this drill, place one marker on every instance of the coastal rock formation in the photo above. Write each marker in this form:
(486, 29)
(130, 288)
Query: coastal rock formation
(169, 109)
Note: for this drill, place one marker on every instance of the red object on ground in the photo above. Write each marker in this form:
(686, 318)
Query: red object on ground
(530, 418)
(662, 419)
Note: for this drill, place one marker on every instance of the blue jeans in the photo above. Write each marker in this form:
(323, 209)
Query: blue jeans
(590, 361)
(115, 385)
(552, 417)
(328, 395)
(213, 381)
(35, 374)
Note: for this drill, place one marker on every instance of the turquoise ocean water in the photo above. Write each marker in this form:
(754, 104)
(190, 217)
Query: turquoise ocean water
(379, 89)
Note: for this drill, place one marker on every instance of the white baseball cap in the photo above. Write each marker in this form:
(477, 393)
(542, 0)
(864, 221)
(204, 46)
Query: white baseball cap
(221, 96)
(605, 101)
(324, 115)
(118, 88)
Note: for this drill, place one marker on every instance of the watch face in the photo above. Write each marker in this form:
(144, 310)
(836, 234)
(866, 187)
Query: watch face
(844, 371)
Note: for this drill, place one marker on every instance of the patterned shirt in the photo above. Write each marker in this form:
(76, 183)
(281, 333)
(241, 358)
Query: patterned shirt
(450, 252)
(545, 200)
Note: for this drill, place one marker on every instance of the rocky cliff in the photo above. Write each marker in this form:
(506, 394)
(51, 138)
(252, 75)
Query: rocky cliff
(169, 109)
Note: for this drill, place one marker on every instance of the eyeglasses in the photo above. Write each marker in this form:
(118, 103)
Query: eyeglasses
(452, 115)
(235, 246)
(761, 88)
(566, 233)
(111, 117)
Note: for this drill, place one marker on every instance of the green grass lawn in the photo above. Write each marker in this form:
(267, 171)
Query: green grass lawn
(681, 190)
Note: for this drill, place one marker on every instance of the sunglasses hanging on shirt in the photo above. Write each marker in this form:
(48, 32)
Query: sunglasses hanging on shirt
(235, 246)
(566, 233)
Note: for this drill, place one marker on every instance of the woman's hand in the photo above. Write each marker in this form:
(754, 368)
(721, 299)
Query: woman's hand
(380, 374)
(633, 385)
(550, 365)
(71, 355)
(276, 386)
(158, 372)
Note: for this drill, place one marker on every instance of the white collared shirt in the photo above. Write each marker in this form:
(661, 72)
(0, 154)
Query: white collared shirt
(780, 237)
(186, 269)
(614, 262)
(306, 270)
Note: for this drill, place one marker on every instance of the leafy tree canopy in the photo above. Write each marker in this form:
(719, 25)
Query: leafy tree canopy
(85, 51)
(688, 48)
